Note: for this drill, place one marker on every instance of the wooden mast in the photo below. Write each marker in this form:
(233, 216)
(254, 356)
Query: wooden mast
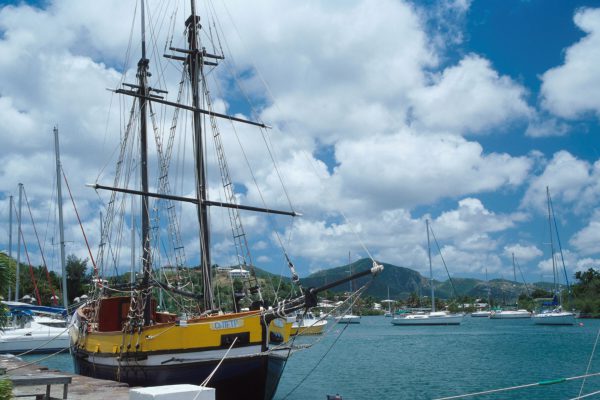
(195, 65)
(142, 75)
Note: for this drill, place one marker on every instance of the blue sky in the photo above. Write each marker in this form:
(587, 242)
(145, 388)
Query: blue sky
(384, 115)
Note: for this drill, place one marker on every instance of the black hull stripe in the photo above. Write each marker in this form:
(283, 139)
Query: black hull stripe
(250, 378)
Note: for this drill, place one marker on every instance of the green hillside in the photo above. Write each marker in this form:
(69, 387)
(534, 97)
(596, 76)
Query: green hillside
(403, 281)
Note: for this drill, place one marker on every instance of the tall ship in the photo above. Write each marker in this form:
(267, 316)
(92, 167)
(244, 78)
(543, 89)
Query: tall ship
(172, 325)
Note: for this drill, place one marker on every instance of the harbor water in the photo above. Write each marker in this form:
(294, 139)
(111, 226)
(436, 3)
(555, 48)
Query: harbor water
(377, 360)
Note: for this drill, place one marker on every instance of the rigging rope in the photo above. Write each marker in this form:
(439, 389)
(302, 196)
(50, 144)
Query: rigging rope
(443, 261)
(332, 344)
(43, 344)
(541, 383)
(54, 298)
(559, 246)
(587, 370)
(38, 360)
(37, 293)
(275, 104)
(87, 244)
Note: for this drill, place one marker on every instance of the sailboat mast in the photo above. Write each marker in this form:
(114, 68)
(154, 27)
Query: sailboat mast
(195, 66)
(19, 241)
(430, 268)
(10, 231)
(551, 240)
(514, 267)
(142, 75)
(488, 290)
(61, 228)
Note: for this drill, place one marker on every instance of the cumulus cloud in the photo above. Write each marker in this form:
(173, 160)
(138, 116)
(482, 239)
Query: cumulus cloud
(524, 253)
(572, 182)
(332, 70)
(587, 239)
(573, 263)
(377, 134)
(573, 88)
(407, 169)
(469, 98)
(400, 238)
(545, 127)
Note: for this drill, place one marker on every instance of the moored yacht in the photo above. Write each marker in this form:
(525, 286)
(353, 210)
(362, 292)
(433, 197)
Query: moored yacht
(510, 314)
(432, 318)
(554, 317)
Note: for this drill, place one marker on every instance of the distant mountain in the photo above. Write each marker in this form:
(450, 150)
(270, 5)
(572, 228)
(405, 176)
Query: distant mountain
(403, 281)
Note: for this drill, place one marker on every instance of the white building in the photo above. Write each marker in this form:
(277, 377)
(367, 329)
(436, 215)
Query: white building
(239, 273)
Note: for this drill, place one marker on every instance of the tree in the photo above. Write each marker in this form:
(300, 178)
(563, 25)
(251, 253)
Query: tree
(587, 277)
(4, 284)
(540, 293)
(77, 277)
(587, 293)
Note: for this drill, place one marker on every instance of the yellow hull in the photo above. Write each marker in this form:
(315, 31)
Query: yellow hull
(316, 328)
(207, 333)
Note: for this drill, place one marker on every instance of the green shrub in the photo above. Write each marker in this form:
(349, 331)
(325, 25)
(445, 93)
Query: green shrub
(5, 389)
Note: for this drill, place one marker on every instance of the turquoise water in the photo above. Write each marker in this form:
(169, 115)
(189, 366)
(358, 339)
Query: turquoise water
(376, 360)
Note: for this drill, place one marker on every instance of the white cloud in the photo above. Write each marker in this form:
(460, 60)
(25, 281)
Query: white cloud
(351, 80)
(334, 71)
(545, 127)
(574, 87)
(572, 183)
(407, 169)
(469, 98)
(523, 253)
(572, 264)
(587, 240)
(399, 238)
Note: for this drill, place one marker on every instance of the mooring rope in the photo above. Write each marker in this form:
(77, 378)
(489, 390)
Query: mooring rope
(209, 377)
(360, 291)
(38, 360)
(585, 395)
(43, 344)
(587, 370)
(541, 383)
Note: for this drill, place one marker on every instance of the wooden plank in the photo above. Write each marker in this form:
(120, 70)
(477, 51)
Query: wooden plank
(41, 379)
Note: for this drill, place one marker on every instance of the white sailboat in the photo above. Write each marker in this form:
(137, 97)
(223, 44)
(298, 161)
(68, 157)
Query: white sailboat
(481, 313)
(433, 317)
(39, 329)
(348, 318)
(510, 314)
(388, 313)
(36, 330)
(555, 316)
(484, 313)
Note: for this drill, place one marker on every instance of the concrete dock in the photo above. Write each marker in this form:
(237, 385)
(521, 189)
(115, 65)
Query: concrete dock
(81, 387)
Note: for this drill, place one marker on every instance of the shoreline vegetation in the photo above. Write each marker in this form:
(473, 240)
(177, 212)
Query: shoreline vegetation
(404, 285)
